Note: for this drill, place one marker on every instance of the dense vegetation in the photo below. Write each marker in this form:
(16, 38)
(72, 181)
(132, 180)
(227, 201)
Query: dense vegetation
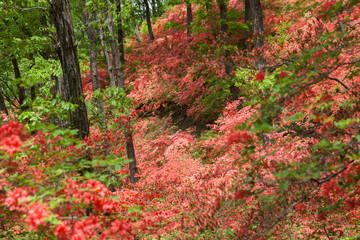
(226, 119)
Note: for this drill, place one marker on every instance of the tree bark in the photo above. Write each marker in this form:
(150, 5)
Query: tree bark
(134, 22)
(120, 32)
(189, 19)
(130, 150)
(22, 94)
(148, 20)
(91, 33)
(33, 92)
(258, 29)
(107, 55)
(60, 14)
(208, 5)
(153, 7)
(2, 103)
(224, 32)
(114, 49)
(248, 19)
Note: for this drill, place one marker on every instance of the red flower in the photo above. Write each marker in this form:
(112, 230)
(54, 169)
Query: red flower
(300, 207)
(62, 231)
(11, 144)
(16, 197)
(318, 54)
(36, 216)
(241, 194)
(260, 76)
(239, 137)
(282, 75)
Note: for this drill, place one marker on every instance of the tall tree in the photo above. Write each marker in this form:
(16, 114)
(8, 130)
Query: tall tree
(136, 26)
(60, 14)
(224, 27)
(120, 32)
(255, 14)
(130, 150)
(189, 18)
(153, 7)
(109, 19)
(91, 33)
(22, 94)
(106, 53)
(2, 102)
(148, 20)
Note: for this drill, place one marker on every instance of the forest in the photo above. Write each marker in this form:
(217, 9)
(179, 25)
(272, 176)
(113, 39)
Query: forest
(180, 119)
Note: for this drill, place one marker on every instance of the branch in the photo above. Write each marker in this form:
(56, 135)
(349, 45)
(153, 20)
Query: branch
(346, 87)
(30, 8)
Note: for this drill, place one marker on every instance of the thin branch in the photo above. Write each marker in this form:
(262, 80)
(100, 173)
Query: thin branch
(30, 8)
(346, 87)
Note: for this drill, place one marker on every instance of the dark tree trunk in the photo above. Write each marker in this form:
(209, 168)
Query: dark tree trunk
(22, 94)
(158, 10)
(153, 7)
(189, 19)
(33, 92)
(248, 18)
(223, 18)
(208, 5)
(130, 150)
(93, 63)
(2, 103)
(120, 32)
(60, 14)
(148, 20)
(224, 32)
(258, 29)
(132, 14)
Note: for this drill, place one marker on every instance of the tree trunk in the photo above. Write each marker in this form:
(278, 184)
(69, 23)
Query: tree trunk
(189, 19)
(223, 18)
(60, 14)
(2, 103)
(33, 93)
(120, 32)
(93, 63)
(208, 5)
(248, 19)
(22, 94)
(153, 7)
(224, 32)
(132, 14)
(107, 55)
(258, 29)
(114, 49)
(130, 150)
(148, 20)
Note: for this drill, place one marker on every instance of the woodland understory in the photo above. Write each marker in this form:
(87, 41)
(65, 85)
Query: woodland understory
(180, 119)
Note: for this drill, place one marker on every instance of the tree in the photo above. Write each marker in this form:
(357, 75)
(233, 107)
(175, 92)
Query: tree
(2, 102)
(120, 32)
(22, 95)
(189, 18)
(60, 14)
(253, 11)
(91, 33)
(148, 20)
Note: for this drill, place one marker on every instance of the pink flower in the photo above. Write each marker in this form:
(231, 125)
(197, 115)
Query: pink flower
(62, 231)
(36, 216)
(16, 197)
(11, 144)
(239, 137)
